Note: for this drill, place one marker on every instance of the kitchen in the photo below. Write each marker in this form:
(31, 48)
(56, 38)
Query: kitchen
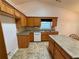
(38, 26)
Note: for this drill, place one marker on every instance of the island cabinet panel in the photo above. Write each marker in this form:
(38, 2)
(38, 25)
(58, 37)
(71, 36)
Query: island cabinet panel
(23, 41)
(30, 22)
(57, 54)
(51, 47)
(56, 51)
(63, 53)
(37, 22)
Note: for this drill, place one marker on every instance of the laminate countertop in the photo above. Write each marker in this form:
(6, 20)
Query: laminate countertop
(24, 33)
(27, 32)
(69, 45)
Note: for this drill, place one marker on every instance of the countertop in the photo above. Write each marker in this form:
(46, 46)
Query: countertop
(26, 32)
(23, 33)
(69, 45)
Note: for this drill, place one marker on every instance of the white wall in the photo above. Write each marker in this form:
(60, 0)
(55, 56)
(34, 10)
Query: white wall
(68, 21)
(10, 37)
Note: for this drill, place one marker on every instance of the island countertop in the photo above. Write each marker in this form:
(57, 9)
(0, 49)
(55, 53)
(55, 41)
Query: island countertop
(69, 45)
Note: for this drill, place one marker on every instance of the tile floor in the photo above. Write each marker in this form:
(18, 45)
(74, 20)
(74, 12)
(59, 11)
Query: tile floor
(36, 50)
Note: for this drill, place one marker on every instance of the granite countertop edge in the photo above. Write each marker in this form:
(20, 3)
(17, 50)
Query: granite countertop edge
(71, 48)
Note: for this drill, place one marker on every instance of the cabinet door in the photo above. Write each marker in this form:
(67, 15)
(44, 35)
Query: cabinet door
(44, 36)
(3, 6)
(22, 41)
(51, 46)
(30, 22)
(9, 9)
(0, 3)
(54, 21)
(57, 54)
(17, 14)
(37, 22)
(23, 21)
(31, 37)
(66, 56)
(53, 33)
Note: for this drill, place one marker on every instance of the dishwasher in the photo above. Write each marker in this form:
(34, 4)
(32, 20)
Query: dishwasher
(37, 36)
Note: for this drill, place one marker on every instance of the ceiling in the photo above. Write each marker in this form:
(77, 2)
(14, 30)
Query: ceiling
(67, 4)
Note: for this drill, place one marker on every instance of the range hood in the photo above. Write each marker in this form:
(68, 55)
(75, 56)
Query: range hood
(46, 20)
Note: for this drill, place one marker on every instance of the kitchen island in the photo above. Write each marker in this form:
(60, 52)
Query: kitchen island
(63, 47)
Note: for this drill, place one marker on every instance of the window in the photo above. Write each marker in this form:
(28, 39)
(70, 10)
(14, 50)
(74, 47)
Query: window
(45, 25)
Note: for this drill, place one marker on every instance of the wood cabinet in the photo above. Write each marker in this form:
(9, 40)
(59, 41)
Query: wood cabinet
(51, 47)
(34, 21)
(17, 14)
(23, 41)
(63, 53)
(57, 54)
(31, 37)
(0, 3)
(45, 35)
(54, 22)
(56, 51)
(23, 21)
(3, 6)
(37, 22)
(30, 22)
(9, 9)
(6, 8)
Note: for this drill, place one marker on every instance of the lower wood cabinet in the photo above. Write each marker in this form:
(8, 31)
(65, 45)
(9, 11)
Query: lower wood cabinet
(64, 55)
(31, 36)
(51, 47)
(57, 54)
(45, 35)
(56, 51)
(23, 41)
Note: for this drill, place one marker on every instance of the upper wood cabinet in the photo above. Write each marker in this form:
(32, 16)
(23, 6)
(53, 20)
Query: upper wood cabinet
(0, 3)
(34, 21)
(54, 21)
(23, 21)
(9, 9)
(30, 22)
(6, 8)
(3, 6)
(37, 22)
(17, 14)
